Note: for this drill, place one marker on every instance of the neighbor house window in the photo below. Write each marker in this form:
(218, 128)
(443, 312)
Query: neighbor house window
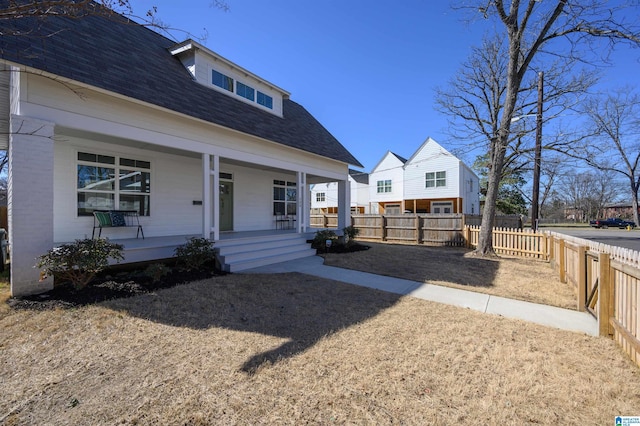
(221, 80)
(112, 183)
(384, 186)
(284, 197)
(245, 91)
(265, 100)
(320, 197)
(436, 179)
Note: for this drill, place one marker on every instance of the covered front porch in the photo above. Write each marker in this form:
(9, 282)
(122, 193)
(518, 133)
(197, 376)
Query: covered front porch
(236, 251)
(233, 198)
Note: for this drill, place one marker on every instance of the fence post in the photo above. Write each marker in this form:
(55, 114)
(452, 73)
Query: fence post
(467, 236)
(605, 295)
(383, 225)
(582, 278)
(551, 242)
(561, 263)
(417, 227)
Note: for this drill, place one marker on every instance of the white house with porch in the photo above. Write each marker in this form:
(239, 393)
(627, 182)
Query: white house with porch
(103, 114)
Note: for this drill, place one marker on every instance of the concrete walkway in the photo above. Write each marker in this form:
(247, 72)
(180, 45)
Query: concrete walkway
(551, 316)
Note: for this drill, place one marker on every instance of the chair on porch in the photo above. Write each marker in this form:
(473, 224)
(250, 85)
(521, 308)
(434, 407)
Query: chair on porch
(282, 221)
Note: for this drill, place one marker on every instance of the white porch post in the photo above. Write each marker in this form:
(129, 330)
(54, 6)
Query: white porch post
(303, 206)
(206, 195)
(344, 204)
(29, 201)
(216, 197)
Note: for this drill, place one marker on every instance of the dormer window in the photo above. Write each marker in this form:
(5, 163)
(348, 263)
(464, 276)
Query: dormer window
(245, 91)
(218, 73)
(222, 80)
(265, 100)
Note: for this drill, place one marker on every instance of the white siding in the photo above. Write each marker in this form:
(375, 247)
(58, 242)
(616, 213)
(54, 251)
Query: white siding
(470, 187)
(99, 113)
(175, 183)
(330, 191)
(431, 158)
(389, 168)
(359, 195)
(204, 65)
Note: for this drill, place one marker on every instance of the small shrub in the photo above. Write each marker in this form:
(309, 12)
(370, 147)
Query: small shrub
(156, 271)
(350, 233)
(80, 261)
(320, 239)
(195, 253)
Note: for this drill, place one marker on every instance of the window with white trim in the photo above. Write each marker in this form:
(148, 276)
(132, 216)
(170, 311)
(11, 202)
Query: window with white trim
(284, 197)
(436, 179)
(265, 100)
(245, 91)
(106, 182)
(384, 186)
(320, 197)
(221, 80)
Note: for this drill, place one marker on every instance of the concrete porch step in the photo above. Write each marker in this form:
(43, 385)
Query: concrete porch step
(268, 260)
(246, 253)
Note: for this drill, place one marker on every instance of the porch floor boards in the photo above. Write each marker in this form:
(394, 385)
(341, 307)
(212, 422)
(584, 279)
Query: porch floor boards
(163, 247)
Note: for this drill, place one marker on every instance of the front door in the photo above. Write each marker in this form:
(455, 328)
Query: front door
(226, 206)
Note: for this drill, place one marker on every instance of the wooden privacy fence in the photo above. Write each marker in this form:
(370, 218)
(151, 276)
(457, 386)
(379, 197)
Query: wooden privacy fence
(432, 229)
(419, 229)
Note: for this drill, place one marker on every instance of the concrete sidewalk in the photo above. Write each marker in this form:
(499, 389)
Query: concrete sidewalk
(551, 316)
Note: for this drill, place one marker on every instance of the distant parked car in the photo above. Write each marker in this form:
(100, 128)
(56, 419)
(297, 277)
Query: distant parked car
(612, 222)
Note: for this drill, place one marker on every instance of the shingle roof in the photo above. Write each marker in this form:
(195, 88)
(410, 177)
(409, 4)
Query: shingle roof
(402, 159)
(358, 176)
(120, 56)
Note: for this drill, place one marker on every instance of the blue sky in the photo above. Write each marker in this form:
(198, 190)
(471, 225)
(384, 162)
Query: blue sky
(365, 69)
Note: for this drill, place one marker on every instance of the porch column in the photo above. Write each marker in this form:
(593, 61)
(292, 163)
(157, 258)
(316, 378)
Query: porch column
(216, 197)
(206, 196)
(344, 204)
(303, 207)
(29, 201)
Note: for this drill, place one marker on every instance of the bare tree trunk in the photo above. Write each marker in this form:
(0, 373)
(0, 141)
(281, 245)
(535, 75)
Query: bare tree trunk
(634, 199)
(485, 239)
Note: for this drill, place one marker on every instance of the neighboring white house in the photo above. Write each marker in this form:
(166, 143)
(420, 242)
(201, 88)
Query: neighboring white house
(432, 181)
(101, 113)
(324, 196)
(386, 185)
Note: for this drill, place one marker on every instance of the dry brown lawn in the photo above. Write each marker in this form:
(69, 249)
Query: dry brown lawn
(295, 349)
(516, 278)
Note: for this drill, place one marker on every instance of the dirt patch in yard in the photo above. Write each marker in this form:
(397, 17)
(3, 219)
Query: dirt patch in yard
(295, 349)
(515, 278)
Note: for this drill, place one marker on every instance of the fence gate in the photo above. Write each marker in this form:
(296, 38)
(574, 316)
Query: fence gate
(591, 283)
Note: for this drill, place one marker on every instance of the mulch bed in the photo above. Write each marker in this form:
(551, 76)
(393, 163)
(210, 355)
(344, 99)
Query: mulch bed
(108, 285)
(115, 284)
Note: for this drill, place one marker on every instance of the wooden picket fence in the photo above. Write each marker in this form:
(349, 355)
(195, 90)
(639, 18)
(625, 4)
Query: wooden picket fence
(512, 242)
(606, 279)
(607, 284)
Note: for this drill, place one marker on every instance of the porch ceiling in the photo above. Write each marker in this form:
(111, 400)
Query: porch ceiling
(100, 137)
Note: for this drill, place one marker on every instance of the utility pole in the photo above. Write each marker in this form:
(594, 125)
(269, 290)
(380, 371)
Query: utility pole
(535, 205)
